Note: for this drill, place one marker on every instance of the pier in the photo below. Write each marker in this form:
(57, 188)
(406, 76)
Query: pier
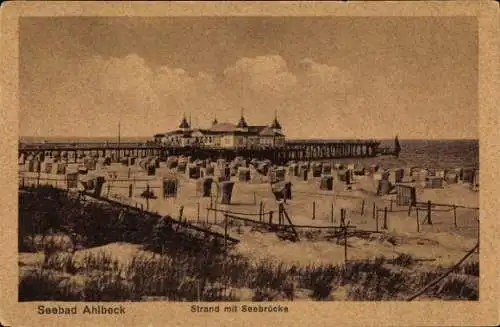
(304, 150)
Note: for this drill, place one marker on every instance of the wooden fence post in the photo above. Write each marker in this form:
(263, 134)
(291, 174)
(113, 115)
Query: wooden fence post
(478, 231)
(418, 222)
(409, 209)
(282, 207)
(283, 214)
(270, 217)
(385, 218)
(279, 214)
(345, 244)
(130, 190)
(363, 207)
(374, 209)
(225, 231)
(181, 212)
(391, 205)
(332, 213)
(198, 210)
(261, 211)
(429, 210)
(215, 212)
(455, 215)
(342, 217)
(314, 210)
(208, 212)
(376, 220)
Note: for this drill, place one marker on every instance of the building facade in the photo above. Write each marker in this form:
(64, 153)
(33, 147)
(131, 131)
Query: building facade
(225, 135)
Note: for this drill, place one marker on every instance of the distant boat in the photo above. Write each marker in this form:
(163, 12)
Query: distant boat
(397, 146)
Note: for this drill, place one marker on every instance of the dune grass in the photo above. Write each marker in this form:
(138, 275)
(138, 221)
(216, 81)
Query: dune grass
(216, 277)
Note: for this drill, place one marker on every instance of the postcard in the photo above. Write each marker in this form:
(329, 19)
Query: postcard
(249, 163)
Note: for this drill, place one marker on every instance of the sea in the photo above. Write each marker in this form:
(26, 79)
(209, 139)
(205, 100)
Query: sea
(414, 153)
(435, 153)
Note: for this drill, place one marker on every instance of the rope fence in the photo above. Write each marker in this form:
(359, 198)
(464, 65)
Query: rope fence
(427, 214)
(332, 194)
(241, 213)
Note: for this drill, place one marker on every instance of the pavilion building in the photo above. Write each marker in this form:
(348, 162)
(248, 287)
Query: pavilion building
(225, 135)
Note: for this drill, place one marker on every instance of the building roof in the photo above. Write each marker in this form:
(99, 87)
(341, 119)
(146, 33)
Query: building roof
(176, 132)
(268, 131)
(223, 127)
(209, 132)
(256, 129)
(244, 133)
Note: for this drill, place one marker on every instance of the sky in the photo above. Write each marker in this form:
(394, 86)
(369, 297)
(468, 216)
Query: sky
(324, 77)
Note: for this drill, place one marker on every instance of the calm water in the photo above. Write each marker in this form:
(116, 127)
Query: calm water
(428, 153)
(438, 153)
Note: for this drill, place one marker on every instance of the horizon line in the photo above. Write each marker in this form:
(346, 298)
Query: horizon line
(292, 138)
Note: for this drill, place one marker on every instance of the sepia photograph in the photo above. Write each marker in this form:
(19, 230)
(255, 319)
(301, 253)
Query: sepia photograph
(251, 160)
(248, 158)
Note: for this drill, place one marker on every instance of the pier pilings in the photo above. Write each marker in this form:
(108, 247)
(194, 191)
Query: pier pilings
(292, 150)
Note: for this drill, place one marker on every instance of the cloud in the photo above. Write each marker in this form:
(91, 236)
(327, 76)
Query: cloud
(266, 83)
(132, 78)
(323, 77)
(147, 100)
(270, 76)
(266, 76)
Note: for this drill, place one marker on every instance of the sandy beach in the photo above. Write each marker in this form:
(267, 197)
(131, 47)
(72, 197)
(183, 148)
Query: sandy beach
(432, 246)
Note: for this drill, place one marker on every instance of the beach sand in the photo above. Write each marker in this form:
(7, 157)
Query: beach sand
(441, 241)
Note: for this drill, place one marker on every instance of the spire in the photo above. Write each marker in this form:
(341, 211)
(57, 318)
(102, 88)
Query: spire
(275, 124)
(190, 120)
(242, 123)
(215, 122)
(184, 124)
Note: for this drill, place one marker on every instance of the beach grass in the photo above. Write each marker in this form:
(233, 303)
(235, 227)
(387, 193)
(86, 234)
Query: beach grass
(199, 278)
